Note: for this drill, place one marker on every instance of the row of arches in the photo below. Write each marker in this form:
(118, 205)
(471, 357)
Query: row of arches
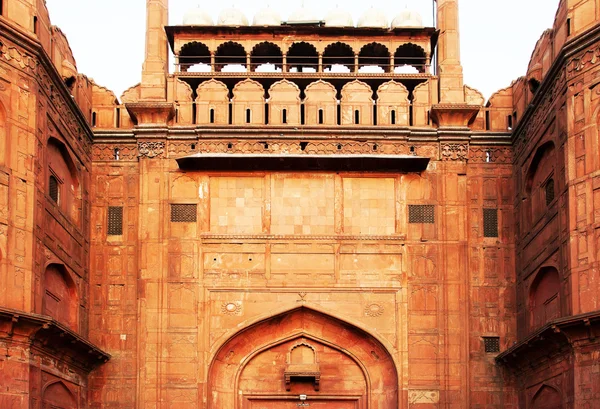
(319, 103)
(302, 57)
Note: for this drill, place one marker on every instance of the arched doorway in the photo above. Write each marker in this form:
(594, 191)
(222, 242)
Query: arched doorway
(58, 396)
(302, 354)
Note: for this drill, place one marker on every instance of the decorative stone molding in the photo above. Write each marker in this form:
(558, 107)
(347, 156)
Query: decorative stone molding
(454, 152)
(300, 237)
(231, 308)
(101, 152)
(308, 147)
(423, 396)
(589, 57)
(151, 149)
(18, 58)
(540, 114)
(374, 310)
(482, 154)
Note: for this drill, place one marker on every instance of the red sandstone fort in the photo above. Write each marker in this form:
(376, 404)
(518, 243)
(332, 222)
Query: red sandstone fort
(301, 213)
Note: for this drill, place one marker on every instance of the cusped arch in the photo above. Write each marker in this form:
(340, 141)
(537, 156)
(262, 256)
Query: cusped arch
(320, 103)
(193, 53)
(266, 56)
(248, 103)
(248, 90)
(365, 348)
(374, 54)
(212, 90)
(57, 395)
(393, 105)
(357, 104)
(410, 54)
(212, 103)
(284, 103)
(421, 104)
(231, 55)
(338, 55)
(302, 57)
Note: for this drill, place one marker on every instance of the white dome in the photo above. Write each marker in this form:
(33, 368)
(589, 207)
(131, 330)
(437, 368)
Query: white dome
(232, 17)
(302, 15)
(407, 18)
(373, 18)
(197, 17)
(339, 18)
(267, 17)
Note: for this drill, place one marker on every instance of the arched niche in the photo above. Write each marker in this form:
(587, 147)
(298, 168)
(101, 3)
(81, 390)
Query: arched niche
(320, 104)
(248, 103)
(63, 186)
(544, 297)
(421, 104)
(357, 104)
(539, 174)
(546, 398)
(60, 295)
(392, 104)
(284, 103)
(185, 100)
(255, 359)
(212, 103)
(58, 396)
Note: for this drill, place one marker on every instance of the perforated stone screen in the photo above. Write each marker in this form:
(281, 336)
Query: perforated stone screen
(490, 222)
(421, 214)
(183, 213)
(115, 221)
(491, 344)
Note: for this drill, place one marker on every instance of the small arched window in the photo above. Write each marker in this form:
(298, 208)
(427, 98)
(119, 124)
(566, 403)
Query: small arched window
(248, 115)
(320, 116)
(356, 116)
(212, 115)
(53, 188)
(284, 116)
(549, 190)
(393, 117)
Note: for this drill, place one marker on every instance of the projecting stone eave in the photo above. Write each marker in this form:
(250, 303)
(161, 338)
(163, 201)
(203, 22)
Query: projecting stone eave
(552, 338)
(51, 337)
(303, 162)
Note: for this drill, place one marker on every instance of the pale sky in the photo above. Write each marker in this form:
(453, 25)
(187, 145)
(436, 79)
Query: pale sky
(497, 36)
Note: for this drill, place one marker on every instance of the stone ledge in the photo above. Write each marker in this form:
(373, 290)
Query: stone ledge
(44, 333)
(551, 338)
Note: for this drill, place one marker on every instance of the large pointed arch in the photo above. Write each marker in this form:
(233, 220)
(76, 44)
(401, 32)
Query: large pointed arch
(351, 342)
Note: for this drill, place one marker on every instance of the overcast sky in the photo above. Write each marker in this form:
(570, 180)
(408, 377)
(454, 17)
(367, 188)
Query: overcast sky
(497, 36)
